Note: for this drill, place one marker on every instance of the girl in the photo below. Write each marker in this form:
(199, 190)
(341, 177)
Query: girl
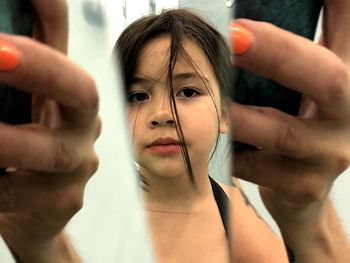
(177, 75)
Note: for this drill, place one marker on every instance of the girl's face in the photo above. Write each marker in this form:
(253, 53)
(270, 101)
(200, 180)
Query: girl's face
(155, 140)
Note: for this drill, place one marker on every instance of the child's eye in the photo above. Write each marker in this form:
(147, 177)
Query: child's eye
(138, 96)
(188, 93)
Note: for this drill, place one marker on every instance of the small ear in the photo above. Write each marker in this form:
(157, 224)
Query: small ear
(224, 125)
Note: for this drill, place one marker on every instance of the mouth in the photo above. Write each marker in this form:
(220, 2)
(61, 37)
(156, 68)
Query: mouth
(165, 146)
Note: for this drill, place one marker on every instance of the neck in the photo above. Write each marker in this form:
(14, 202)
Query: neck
(177, 194)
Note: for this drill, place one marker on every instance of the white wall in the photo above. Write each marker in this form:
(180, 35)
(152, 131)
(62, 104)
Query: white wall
(164, 4)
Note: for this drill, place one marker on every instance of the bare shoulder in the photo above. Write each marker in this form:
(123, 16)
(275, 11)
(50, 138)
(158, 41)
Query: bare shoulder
(252, 238)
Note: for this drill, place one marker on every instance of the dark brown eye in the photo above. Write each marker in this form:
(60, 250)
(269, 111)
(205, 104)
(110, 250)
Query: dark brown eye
(137, 97)
(188, 93)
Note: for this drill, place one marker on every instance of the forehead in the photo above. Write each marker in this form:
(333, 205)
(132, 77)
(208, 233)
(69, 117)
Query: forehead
(154, 58)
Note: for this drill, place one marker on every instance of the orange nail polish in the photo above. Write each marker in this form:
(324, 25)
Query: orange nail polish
(9, 56)
(241, 38)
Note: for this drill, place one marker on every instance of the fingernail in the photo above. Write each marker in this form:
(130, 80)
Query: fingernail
(241, 38)
(9, 56)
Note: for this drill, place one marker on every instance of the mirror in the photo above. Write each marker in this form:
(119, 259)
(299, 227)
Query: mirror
(174, 135)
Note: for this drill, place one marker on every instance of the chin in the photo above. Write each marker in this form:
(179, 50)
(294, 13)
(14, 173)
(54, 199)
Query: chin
(164, 172)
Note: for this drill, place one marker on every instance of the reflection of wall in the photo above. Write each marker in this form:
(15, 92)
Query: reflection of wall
(164, 4)
(215, 11)
(136, 9)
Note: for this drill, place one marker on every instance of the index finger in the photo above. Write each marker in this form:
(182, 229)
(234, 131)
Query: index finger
(299, 64)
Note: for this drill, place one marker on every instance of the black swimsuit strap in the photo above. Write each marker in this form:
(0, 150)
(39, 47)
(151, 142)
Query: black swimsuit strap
(223, 202)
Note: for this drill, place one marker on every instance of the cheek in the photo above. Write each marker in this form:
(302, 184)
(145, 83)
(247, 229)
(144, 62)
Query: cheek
(202, 123)
(207, 128)
(134, 120)
(131, 120)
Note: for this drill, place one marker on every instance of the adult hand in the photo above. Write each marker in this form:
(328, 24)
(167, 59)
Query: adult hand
(299, 158)
(50, 160)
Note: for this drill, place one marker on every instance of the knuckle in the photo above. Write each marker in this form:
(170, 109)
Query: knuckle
(94, 163)
(313, 189)
(288, 140)
(98, 129)
(269, 111)
(63, 157)
(70, 207)
(92, 97)
(343, 161)
(75, 205)
(67, 203)
(88, 166)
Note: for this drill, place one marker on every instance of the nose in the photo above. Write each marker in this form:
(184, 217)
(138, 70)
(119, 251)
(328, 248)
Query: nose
(162, 118)
(161, 113)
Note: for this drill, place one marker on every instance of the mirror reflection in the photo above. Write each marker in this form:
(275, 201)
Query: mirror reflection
(176, 73)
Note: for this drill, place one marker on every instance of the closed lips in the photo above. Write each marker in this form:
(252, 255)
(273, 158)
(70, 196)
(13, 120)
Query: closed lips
(164, 141)
(165, 146)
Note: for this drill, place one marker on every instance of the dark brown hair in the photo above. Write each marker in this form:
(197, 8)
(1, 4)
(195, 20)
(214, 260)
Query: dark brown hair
(179, 24)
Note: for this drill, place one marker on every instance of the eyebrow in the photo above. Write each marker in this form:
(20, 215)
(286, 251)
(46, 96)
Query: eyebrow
(185, 76)
(176, 77)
